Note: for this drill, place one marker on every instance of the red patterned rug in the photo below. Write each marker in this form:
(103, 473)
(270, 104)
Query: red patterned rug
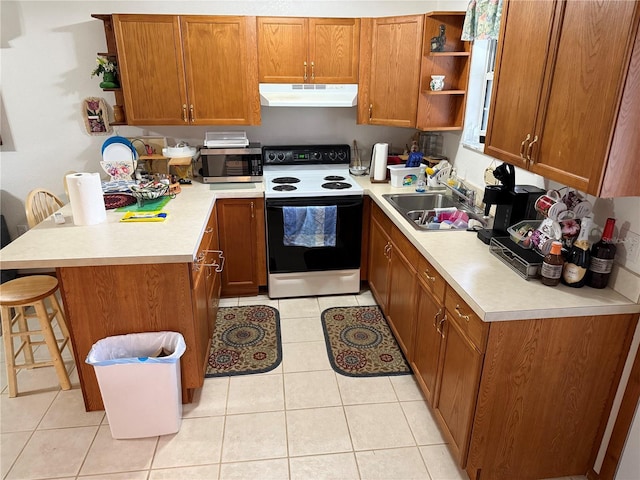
(360, 343)
(245, 340)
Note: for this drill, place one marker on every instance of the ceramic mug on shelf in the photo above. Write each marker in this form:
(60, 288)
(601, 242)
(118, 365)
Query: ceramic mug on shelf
(437, 83)
(550, 205)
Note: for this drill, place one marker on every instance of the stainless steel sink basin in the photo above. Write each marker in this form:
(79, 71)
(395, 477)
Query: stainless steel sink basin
(420, 208)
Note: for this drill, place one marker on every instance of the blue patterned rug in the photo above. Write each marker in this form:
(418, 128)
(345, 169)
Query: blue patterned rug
(360, 343)
(245, 340)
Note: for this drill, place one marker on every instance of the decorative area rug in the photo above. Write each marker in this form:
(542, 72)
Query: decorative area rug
(360, 343)
(245, 340)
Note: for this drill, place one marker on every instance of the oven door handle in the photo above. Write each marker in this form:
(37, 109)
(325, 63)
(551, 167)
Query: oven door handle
(279, 204)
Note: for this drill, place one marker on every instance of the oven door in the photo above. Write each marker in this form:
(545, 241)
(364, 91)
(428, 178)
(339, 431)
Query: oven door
(345, 255)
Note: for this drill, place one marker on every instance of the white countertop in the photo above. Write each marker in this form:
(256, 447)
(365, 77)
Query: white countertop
(116, 243)
(490, 287)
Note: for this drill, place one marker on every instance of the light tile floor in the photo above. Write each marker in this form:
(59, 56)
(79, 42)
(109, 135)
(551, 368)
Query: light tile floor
(301, 421)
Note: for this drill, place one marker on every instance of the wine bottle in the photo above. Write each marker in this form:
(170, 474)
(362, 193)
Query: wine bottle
(574, 273)
(602, 254)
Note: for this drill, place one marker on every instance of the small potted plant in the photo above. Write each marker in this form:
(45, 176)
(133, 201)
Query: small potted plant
(108, 69)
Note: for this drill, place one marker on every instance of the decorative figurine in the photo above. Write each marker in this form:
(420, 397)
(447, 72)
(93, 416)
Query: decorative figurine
(437, 43)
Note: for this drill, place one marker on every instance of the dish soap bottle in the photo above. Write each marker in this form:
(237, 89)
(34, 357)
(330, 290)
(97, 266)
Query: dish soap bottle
(551, 270)
(422, 181)
(602, 254)
(574, 273)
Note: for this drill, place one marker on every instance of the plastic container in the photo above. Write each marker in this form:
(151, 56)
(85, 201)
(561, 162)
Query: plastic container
(139, 379)
(402, 176)
(521, 232)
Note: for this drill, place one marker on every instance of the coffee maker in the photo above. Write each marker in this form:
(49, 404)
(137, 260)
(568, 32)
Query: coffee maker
(513, 202)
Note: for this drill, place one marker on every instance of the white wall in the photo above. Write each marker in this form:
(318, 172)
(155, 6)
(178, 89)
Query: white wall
(48, 50)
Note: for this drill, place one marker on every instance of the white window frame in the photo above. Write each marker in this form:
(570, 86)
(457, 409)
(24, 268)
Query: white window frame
(479, 93)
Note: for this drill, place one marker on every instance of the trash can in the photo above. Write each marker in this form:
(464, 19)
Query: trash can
(139, 379)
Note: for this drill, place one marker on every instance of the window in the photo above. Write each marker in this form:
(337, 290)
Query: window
(479, 93)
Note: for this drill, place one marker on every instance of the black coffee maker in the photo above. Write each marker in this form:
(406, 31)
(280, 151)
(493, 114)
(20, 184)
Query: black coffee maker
(513, 202)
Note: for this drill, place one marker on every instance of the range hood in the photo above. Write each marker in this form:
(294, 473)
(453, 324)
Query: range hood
(308, 95)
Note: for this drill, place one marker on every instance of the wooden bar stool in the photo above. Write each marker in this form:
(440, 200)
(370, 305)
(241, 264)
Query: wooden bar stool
(19, 294)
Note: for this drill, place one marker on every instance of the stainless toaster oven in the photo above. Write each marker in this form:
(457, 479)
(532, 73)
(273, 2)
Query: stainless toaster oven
(232, 164)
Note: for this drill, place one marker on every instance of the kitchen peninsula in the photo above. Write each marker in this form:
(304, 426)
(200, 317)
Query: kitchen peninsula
(531, 343)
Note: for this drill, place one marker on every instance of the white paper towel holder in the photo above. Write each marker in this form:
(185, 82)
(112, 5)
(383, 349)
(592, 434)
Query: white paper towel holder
(372, 166)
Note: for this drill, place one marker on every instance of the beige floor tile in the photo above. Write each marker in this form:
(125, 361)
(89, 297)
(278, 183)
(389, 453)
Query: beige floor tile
(68, 410)
(42, 379)
(198, 442)
(337, 301)
(317, 431)
(208, 401)
(305, 357)
(301, 330)
(204, 472)
(258, 300)
(359, 390)
(422, 423)
(440, 463)
(138, 475)
(11, 445)
(229, 302)
(337, 466)
(53, 453)
(366, 298)
(25, 411)
(311, 389)
(393, 464)
(108, 455)
(406, 388)
(378, 426)
(254, 436)
(277, 469)
(299, 307)
(255, 393)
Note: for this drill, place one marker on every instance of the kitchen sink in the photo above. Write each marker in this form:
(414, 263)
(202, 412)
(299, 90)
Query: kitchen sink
(420, 208)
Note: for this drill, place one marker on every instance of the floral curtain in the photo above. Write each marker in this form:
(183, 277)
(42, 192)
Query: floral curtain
(482, 21)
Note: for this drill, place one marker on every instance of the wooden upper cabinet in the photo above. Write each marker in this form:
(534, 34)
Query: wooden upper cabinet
(151, 68)
(390, 57)
(220, 59)
(308, 50)
(566, 74)
(191, 70)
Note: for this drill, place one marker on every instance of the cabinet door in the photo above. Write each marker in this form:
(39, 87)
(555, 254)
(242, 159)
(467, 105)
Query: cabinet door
(282, 49)
(334, 50)
(237, 228)
(457, 390)
(220, 58)
(584, 90)
(151, 69)
(402, 300)
(525, 40)
(379, 256)
(390, 53)
(426, 351)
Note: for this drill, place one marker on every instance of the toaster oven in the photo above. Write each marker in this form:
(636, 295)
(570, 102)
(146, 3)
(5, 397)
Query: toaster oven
(232, 164)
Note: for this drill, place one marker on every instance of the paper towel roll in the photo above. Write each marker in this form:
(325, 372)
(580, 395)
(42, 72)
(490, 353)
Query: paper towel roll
(85, 196)
(380, 153)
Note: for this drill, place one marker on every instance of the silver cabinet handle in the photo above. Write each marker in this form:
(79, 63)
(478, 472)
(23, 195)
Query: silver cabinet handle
(193, 118)
(522, 147)
(435, 319)
(184, 113)
(313, 73)
(305, 71)
(426, 274)
(461, 315)
(530, 148)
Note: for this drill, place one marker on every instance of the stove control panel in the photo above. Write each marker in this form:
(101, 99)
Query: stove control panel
(306, 155)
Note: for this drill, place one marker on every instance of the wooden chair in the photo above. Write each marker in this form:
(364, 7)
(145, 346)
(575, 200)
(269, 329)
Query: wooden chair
(40, 204)
(16, 298)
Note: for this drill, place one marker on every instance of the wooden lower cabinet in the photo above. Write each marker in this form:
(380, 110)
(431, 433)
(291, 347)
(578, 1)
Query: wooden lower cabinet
(107, 300)
(241, 228)
(517, 399)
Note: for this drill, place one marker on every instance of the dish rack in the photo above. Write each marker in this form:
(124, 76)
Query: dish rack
(225, 139)
(525, 263)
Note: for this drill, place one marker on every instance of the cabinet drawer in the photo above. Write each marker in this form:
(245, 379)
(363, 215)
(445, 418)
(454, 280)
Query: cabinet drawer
(381, 217)
(431, 279)
(461, 314)
(405, 246)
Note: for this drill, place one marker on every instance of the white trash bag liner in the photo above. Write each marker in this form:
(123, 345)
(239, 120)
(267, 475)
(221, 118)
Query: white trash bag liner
(136, 348)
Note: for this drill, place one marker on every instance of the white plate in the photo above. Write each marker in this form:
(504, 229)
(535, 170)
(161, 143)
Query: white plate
(117, 152)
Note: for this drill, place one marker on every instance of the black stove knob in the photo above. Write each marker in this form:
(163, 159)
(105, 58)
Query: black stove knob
(332, 155)
(316, 155)
(272, 156)
(342, 155)
(281, 156)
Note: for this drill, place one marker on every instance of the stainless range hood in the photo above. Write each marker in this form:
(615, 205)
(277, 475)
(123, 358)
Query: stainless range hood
(308, 95)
